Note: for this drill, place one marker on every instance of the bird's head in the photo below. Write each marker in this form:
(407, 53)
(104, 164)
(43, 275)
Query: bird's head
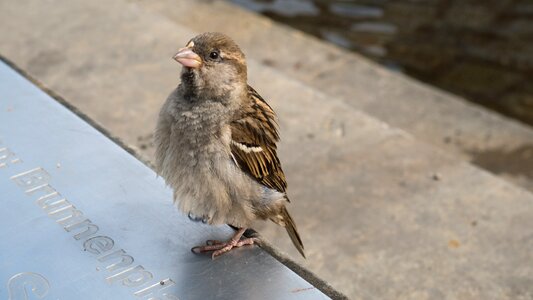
(213, 66)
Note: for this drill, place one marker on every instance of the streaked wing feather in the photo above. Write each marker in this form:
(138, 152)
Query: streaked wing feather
(256, 126)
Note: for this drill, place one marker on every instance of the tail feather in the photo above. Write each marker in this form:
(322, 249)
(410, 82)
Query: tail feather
(290, 226)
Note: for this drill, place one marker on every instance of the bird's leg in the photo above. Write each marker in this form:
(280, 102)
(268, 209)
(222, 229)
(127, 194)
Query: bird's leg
(220, 248)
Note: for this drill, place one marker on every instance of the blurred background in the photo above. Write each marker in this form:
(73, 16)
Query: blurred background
(405, 125)
(482, 50)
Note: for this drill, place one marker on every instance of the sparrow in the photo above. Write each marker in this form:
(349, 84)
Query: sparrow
(216, 145)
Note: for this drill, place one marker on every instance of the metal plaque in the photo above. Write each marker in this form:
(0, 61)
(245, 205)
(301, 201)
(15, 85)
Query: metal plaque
(81, 218)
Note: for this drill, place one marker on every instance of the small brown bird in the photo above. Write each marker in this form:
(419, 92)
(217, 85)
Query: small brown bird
(216, 144)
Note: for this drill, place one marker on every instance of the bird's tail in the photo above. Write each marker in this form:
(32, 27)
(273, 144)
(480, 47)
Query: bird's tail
(290, 226)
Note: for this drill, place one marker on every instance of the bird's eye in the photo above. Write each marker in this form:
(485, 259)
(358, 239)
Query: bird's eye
(213, 55)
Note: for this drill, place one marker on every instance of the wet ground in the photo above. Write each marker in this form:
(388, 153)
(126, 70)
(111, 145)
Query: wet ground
(482, 50)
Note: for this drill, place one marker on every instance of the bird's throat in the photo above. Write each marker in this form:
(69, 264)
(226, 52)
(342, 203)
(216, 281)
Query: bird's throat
(189, 84)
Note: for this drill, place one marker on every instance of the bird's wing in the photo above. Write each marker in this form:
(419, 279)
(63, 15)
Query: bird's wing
(254, 136)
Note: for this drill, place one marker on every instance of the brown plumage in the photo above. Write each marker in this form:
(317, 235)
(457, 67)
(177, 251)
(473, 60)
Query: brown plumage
(216, 144)
(255, 126)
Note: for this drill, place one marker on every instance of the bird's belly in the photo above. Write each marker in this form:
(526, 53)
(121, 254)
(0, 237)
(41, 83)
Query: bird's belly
(207, 184)
(196, 162)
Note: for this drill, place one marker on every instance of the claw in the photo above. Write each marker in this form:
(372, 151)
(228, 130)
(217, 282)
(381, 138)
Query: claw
(194, 218)
(220, 248)
(213, 242)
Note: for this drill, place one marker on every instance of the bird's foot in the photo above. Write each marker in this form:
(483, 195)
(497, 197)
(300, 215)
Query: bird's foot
(195, 218)
(220, 248)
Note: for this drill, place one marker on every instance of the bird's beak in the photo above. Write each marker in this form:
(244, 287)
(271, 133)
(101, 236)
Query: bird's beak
(188, 58)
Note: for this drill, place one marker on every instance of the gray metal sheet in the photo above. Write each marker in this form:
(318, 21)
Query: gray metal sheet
(81, 218)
